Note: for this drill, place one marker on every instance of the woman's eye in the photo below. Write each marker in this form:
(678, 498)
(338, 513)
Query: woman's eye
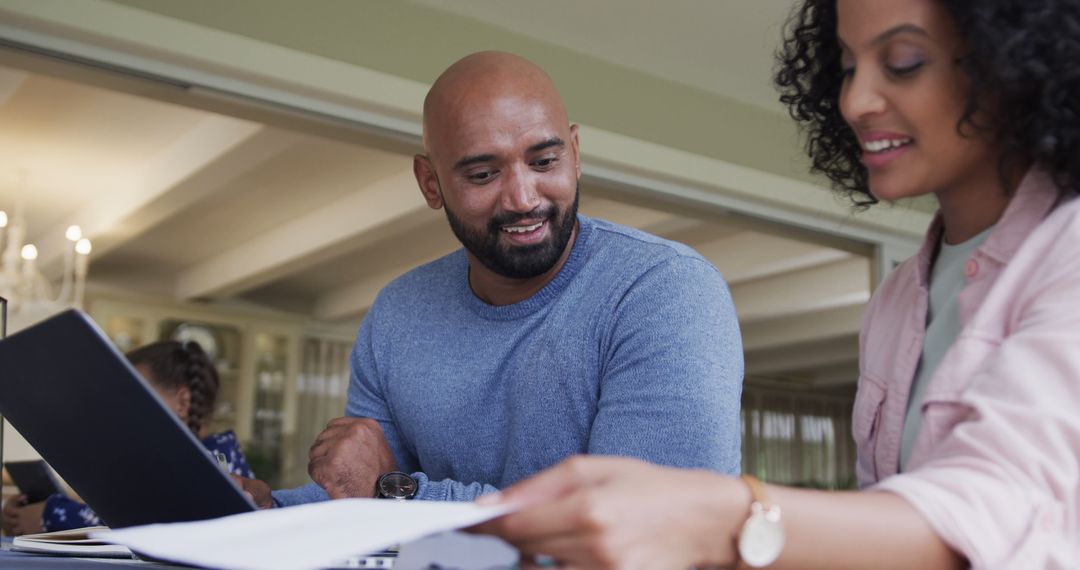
(905, 68)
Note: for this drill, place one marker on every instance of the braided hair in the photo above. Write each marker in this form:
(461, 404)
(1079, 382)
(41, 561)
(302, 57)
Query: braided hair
(174, 365)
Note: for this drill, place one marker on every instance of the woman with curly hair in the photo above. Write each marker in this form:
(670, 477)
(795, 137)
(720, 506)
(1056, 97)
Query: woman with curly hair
(966, 419)
(184, 377)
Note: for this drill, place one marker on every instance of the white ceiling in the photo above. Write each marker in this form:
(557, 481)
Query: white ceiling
(721, 46)
(188, 205)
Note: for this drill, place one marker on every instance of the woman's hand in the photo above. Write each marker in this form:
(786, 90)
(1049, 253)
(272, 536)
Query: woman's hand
(607, 512)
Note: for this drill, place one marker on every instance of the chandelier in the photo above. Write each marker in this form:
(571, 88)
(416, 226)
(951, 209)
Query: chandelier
(30, 294)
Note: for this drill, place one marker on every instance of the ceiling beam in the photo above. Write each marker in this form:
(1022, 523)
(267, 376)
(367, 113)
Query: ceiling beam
(10, 81)
(799, 358)
(307, 240)
(839, 374)
(199, 163)
(623, 213)
(800, 329)
(748, 256)
(354, 299)
(836, 284)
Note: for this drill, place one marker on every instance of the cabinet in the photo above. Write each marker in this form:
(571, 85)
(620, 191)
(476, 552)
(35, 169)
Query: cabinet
(264, 450)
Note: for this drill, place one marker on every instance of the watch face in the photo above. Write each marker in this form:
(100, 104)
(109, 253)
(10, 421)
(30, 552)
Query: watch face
(397, 485)
(762, 538)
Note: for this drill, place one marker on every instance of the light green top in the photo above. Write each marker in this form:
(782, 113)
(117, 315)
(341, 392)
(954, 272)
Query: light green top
(943, 324)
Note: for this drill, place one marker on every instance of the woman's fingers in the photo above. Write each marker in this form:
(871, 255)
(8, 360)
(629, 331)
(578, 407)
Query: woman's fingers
(578, 472)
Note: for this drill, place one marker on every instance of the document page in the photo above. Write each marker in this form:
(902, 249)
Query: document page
(306, 537)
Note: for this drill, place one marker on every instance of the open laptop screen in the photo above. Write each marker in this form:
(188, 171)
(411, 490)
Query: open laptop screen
(86, 410)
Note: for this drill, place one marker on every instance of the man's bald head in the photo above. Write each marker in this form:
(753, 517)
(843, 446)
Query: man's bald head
(503, 162)
(476, 84)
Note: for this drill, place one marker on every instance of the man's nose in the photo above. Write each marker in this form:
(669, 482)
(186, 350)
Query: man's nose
(519, 191)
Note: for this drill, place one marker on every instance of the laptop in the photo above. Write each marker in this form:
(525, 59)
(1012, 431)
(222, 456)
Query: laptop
(93, 418)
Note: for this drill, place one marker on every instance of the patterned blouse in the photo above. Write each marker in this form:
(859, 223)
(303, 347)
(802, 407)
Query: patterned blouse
(63, 513)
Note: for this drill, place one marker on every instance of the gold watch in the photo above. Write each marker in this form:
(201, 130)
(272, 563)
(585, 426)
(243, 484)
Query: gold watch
(762, 536)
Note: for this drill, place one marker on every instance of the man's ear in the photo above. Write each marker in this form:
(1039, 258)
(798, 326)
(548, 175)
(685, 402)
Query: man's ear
(576, 149)
(428, 182)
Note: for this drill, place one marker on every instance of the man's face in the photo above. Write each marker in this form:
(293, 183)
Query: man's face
(512, 260)
(506, 172)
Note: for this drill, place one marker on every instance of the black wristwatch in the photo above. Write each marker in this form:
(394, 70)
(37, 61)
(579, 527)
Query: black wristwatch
(395, 485)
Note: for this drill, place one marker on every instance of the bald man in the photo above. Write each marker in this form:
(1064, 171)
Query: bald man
(549, 334)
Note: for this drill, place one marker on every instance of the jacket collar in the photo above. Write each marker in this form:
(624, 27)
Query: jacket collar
(1034, 198)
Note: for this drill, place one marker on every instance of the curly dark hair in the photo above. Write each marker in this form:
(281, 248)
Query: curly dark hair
(174, 365)
(1024, 55)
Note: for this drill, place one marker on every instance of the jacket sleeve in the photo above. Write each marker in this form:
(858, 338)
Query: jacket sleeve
(1002, 485)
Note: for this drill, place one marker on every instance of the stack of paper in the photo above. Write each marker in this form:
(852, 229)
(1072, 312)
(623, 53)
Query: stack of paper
(75, 542)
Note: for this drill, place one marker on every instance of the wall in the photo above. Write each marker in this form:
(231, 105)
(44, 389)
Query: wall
(417, 43)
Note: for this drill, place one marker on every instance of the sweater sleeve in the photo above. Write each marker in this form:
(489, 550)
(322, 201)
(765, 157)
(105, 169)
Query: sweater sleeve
(671, 383)
(367, 399)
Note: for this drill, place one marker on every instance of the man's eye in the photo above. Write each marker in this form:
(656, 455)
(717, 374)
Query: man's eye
(545, 162)
(482, 176)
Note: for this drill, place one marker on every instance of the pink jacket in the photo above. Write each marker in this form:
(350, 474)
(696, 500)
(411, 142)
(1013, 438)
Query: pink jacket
(995, 468)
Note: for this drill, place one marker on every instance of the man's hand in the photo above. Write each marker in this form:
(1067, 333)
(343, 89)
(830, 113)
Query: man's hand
(258, 491)
(348, 456)
(20, 518)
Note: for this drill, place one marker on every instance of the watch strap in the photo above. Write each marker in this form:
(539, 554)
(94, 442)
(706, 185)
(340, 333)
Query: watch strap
(757, 491)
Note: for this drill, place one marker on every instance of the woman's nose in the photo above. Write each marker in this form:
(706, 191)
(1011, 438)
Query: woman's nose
(861, 98)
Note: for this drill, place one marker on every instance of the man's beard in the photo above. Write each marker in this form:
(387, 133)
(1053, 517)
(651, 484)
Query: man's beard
(518, 262)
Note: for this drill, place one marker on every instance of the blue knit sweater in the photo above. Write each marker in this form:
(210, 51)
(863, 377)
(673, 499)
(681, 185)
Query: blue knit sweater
(633, 349)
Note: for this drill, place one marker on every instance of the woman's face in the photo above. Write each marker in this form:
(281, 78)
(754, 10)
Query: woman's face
(903, 94)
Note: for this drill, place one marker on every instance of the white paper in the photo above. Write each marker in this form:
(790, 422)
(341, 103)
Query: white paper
(306, 537)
